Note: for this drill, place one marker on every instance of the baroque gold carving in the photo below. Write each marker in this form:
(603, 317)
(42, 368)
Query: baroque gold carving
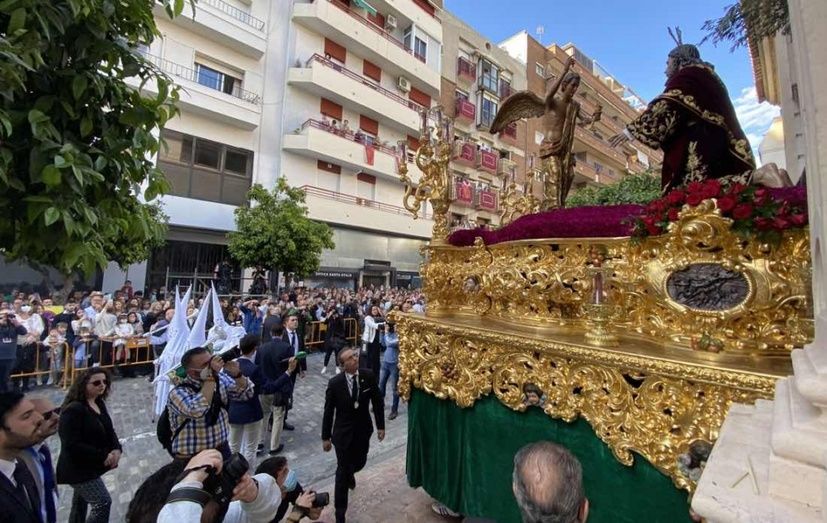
(547, 282)
(652, 407)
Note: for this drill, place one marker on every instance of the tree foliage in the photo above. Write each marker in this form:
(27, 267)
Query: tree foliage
(748, 19)
(633, 188)
(273, 231)
(76, 140)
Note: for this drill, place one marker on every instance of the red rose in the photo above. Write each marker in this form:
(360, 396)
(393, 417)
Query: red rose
(653, 229)
(742, 211)
(763, 224)
(695, 198)
(711, 188)
(726, 203)
(673, 215)
(798, 220)
(676, 197)
(779, 223)
(694, 187)
(737, 188)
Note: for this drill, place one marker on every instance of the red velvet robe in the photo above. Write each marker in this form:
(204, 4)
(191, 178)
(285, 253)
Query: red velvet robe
(694, 123)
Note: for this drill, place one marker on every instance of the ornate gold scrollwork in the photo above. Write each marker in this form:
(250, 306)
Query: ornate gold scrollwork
(636, 404)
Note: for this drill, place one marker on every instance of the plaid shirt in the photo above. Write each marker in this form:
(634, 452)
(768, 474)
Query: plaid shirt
(185, 403)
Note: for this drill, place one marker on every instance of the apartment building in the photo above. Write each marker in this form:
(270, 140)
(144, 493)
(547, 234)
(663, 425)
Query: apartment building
(359, 73)
(597, 162)
(476, 77)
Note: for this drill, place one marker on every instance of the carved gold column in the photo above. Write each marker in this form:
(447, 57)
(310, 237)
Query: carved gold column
(432, 159)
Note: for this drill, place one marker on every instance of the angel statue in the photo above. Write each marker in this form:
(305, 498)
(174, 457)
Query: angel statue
(559, 112)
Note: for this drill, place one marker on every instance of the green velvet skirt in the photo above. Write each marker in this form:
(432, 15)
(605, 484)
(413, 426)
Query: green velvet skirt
(464, 459)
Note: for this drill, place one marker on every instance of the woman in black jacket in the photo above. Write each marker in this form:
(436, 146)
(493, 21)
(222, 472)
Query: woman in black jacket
(89, 446)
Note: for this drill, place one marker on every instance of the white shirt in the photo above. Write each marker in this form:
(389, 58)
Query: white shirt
(293, 340)
(351, 379)
(7, 468)
(261, 510)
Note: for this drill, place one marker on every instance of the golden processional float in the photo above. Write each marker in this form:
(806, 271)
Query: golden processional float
(631, 349)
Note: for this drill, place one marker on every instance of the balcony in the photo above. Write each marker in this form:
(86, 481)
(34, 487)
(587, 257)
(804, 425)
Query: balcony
(316, 140)
(465, 111)
(240, 108)
(465, 153)
(355, 211)
(368, 40)
(487, 161)
(507, 168)
(487, 200)
(219, 21)
(466, 70)
(509, 133)
(337, 83)
(599, 146)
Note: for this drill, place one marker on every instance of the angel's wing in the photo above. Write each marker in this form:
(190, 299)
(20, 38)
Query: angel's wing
(523, 104)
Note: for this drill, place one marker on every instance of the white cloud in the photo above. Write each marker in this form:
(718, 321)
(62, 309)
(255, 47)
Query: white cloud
(755, 117)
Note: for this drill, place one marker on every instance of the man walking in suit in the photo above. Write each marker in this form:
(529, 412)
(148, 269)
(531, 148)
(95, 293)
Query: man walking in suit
(296, 340)
(38, 458)
(346, 423)
(19, 424)
(279, 368)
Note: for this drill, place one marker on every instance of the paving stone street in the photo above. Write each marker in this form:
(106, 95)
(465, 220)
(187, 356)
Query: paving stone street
(131, 405)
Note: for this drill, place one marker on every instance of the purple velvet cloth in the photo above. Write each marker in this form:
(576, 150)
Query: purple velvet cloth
(607, 221)
(796, 196)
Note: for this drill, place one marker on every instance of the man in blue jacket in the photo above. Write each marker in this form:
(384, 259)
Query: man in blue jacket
(245, 415)
(10, 329)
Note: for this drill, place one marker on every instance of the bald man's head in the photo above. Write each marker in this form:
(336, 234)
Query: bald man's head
(548, 484)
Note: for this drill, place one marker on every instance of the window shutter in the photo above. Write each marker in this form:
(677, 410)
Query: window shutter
(372, 71)
(419, 97)
(367, 178)
(336, 51)
(331, 109)
(413, 143)
(368, 125)
(329, 167)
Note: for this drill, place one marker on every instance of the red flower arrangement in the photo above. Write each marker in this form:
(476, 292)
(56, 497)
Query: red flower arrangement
(755, 211)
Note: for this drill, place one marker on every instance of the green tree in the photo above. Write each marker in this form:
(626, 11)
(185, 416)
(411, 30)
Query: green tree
(273, 232)
(76, 140)
(633, 188)
(748, 20)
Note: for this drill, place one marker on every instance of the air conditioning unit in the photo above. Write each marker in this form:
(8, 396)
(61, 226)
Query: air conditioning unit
(403, 84)
(390, 22)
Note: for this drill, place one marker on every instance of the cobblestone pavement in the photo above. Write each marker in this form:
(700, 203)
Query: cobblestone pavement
(131, 406)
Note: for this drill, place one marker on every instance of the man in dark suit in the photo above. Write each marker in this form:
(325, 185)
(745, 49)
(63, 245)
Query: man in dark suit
(19, 424)
(292, 336)
(39, 459)
(279, 368)
(346, 423)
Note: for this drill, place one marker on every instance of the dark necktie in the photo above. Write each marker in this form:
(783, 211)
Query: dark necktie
(293, 342)
(26, 486)
(49, 490)
(354, 389)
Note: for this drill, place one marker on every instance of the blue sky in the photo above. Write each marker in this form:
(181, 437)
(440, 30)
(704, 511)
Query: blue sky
(629, 39)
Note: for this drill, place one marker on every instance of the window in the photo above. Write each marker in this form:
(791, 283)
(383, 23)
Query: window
(214, 79)
(538, 137)
(461, 95)
(540, 70)
(205, 170)
(488, 109)
(420, 48)
(489, 76)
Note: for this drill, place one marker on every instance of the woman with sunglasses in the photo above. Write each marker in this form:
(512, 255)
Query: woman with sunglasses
(89, 446)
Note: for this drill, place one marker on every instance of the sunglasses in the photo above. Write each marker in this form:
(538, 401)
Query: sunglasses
(49, 413)
(99, 382)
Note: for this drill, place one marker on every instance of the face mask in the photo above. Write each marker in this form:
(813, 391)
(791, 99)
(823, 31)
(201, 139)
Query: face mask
(26, 309)
(290, 481)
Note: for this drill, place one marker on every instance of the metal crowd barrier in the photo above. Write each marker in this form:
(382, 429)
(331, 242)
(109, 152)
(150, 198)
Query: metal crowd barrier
(314, 337)
(34, 367)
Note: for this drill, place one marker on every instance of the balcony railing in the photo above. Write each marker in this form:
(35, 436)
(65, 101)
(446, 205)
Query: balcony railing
(370, 25)
(487, 161)
(350, 135)
(509, 132)
(506, 168)
(592, 140)
(466, 69)
(188, 73)
(238, 14)
(465, 110)
(364, 81)
(357, 200)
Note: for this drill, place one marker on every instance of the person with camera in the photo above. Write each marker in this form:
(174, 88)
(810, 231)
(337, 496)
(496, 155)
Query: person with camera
(371, 339)
(346, 423)
(305, 504)
(335, 337)
(198, 405)
(10, 329)
(212, 490)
